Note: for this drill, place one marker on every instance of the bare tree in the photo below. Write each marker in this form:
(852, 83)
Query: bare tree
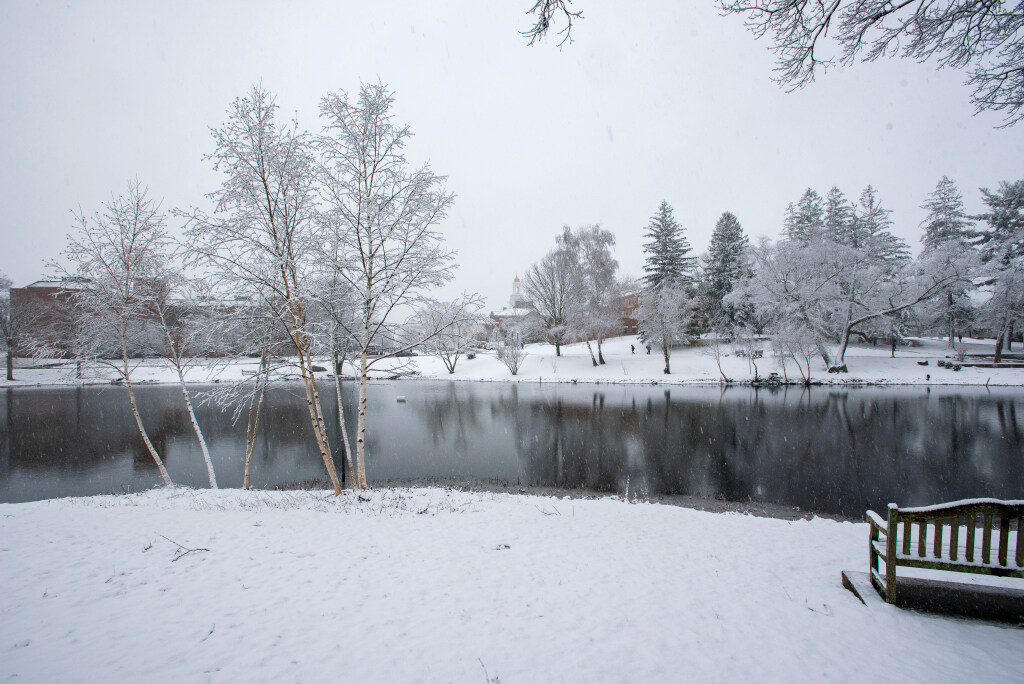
(190, 330)
(456, 338)
(554, 289)
(386, 215)
(114, 257)
(510, 351)
(985, 36)
(254, 329)
(831, 290)
(262, 237)
(666, 313)
(793, 340)
(546, 13)
(9, 324)
(595, 315)
(340, 313)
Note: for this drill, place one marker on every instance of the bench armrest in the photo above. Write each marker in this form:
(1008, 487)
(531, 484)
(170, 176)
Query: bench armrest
(877, 522)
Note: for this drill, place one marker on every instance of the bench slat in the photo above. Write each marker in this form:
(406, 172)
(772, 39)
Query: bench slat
(986, 540)
(1004, 539)
(922, 538)
(937, 546)
(1020, 542)
(971, 522)
(877, 521)
(906, 537)
(933, 563)
(954, 537)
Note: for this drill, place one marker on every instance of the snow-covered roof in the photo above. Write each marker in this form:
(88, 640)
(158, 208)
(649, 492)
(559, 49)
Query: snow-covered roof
(66, 283)
(510, 313)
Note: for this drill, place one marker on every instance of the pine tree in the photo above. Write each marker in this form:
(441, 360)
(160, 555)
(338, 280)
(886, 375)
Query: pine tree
(873, 230)
(839, 222)
(946, 218)
(1003, 252)
(666, 261)
(805, 221)
(724, 265)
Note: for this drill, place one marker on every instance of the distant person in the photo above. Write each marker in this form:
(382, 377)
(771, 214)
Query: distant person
(632, 349)
(648, 350)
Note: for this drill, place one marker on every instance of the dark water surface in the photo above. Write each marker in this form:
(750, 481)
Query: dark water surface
(828, 450)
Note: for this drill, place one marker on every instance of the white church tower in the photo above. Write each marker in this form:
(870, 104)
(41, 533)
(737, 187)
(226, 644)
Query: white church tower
(517, 298)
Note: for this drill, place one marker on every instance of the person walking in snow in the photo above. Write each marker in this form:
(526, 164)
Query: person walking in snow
(632, 349)
(648, 349)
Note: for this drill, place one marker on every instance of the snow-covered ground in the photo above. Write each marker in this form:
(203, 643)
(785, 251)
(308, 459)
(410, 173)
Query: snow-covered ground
(435, 585)
(867, 365)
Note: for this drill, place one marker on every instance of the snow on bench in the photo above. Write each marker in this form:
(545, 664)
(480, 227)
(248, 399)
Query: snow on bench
(955, 545)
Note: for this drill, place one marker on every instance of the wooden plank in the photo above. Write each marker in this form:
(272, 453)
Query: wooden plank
(877, 521)
(954, 538)
(922, 538)
(975, 568)
(937, 545)
(906, 538)
(1004, 539)
(890, 552)
(873, 532)
(971, 521)
(986, 540)
(978, 506)
(1020, 542)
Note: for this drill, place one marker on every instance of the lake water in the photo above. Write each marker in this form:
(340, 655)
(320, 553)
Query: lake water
(828, 450)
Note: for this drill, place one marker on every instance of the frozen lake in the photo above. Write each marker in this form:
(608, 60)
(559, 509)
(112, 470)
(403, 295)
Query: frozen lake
(822, 449)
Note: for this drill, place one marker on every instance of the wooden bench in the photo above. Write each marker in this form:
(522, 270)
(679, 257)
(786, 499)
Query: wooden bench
(955, 543)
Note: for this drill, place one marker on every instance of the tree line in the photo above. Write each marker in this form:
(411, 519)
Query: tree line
(837, 273)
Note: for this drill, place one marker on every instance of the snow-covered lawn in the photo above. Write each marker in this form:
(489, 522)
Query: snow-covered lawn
(867, 365)
(433, 585)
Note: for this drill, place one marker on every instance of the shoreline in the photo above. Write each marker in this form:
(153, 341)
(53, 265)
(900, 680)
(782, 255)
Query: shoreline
(870, 366)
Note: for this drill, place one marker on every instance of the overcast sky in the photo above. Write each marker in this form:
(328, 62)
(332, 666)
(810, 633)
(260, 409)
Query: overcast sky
(654, 100)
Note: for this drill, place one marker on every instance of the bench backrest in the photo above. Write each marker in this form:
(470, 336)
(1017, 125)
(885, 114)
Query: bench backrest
(946, 521)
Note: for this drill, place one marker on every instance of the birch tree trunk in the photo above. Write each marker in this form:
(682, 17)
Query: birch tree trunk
(138, 419)
(253, 423)
(361, 424)
(590, 349)
(341, 420)
(196, 429)
(315, 414)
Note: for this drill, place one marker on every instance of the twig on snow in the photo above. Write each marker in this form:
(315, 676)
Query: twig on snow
(181, 551)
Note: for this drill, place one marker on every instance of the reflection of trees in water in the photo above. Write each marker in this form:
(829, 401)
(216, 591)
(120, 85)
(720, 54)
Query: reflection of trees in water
(451, 417)
(78, 428)
(818, 448)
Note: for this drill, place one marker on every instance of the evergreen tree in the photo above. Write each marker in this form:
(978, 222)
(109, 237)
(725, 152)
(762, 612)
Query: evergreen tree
(839, 218)
(1005, 217)
(1003, 252)
(946, 218)
(873, 230)
(947, 223)
(723, 266)
(805, 221)
(666, 261)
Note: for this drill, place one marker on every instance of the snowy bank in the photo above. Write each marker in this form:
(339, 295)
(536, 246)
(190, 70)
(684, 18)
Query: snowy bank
(435, 585)
(868, 365)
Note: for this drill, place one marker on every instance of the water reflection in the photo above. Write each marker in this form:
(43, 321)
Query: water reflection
(821, 449)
